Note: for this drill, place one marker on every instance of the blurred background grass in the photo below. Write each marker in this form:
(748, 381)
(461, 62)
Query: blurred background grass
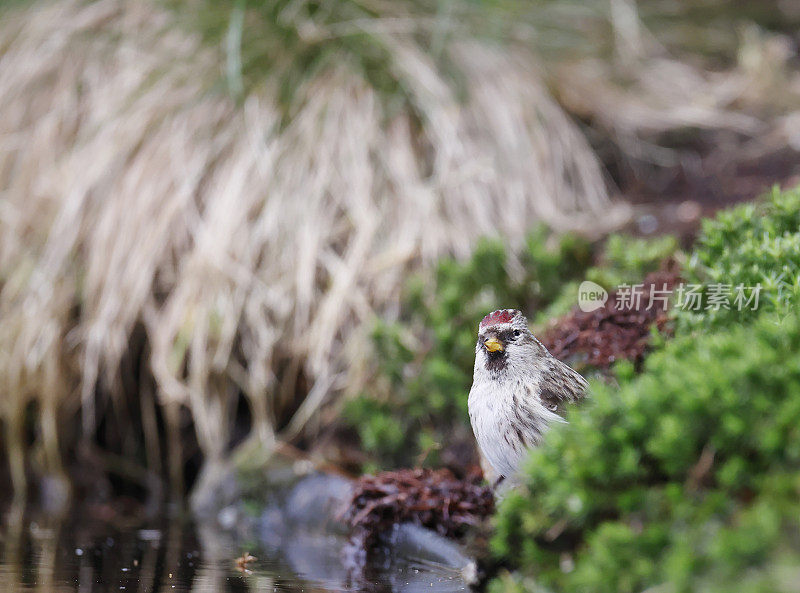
(209, 207)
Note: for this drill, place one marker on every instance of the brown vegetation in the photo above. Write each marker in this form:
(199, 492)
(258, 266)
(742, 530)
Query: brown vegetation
(619, 330)
(431, 498)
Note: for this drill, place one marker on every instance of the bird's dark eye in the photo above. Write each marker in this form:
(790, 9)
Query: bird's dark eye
(517, 333)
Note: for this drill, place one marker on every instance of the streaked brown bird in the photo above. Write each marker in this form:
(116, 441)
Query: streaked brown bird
(518, 389)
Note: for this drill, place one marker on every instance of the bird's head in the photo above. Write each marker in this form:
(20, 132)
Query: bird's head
(505, 342)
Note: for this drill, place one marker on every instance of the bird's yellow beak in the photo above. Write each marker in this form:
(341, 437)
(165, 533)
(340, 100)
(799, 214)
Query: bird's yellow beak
(493, 345)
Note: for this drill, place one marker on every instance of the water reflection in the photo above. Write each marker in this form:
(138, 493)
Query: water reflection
(45, 553)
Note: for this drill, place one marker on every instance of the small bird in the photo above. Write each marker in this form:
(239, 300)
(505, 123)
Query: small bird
(518, 388)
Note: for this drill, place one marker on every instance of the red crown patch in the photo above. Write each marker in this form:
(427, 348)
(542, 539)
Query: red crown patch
(500, 316)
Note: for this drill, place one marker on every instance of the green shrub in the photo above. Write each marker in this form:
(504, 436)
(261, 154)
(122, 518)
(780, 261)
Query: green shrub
(686, 473)
(749, 245)
(624, 260)
(630, 259)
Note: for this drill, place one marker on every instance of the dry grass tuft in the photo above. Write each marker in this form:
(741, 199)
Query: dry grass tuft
(252, 248)
(658, 98)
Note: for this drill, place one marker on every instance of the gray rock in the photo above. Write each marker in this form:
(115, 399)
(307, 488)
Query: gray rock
(300, 528)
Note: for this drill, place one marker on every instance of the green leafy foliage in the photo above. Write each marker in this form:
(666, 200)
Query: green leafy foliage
(687, 472)
(629, 259)
(753, 244)
(286, 43)
(625, 260)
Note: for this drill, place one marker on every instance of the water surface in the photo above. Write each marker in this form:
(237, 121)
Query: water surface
(83, 554)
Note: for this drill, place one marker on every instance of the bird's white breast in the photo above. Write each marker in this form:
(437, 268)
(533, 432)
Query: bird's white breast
(507, 418)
